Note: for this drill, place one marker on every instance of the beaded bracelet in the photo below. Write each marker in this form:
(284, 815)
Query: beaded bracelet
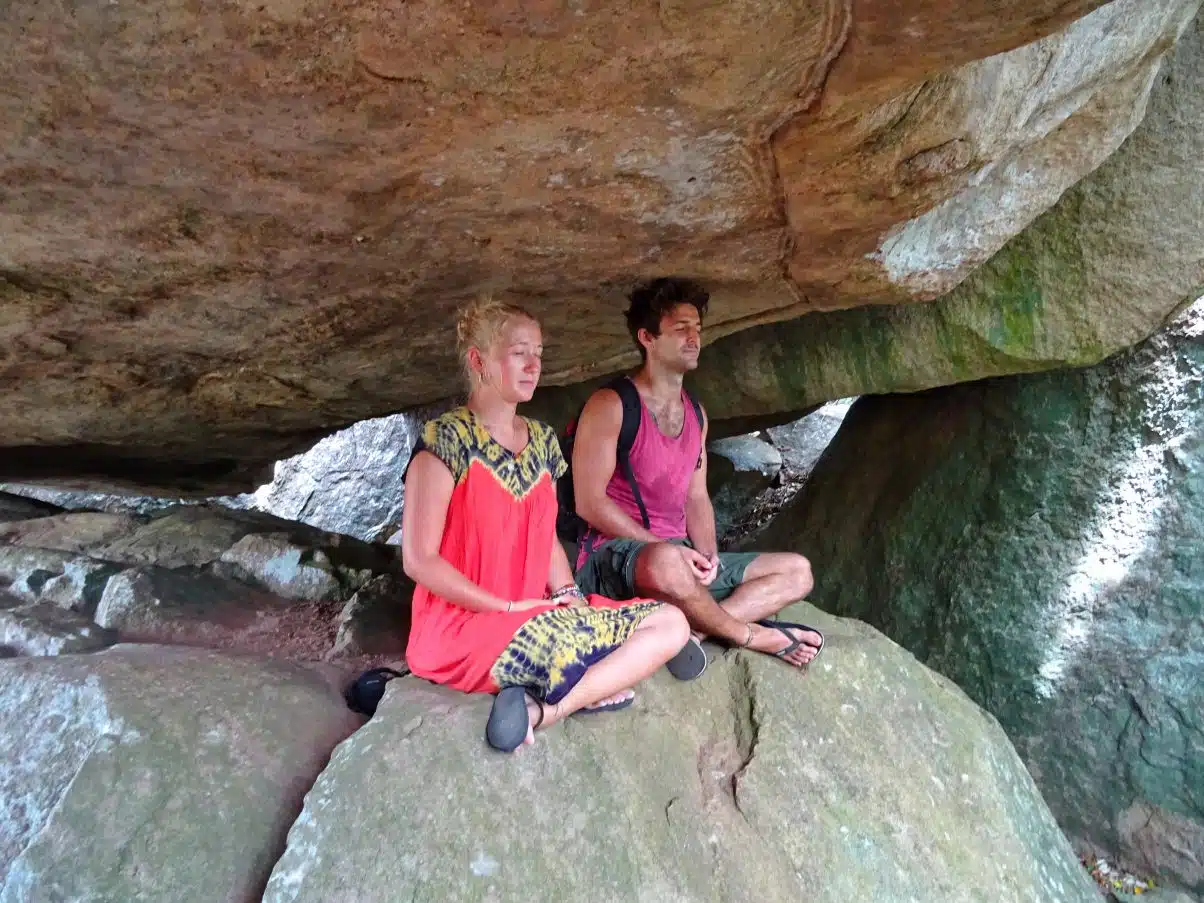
(568, 591)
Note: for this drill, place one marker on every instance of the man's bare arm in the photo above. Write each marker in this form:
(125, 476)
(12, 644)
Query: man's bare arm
(595, 456)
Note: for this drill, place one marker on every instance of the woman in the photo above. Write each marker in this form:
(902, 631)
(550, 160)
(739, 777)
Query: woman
(496, 609)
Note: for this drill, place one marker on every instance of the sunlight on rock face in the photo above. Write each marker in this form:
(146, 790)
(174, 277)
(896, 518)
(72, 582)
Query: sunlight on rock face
(1128, 517)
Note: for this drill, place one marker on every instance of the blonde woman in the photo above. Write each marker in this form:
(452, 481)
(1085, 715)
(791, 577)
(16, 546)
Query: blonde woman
(496, 609)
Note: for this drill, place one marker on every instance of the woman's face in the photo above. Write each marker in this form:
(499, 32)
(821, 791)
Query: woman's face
(513, 363)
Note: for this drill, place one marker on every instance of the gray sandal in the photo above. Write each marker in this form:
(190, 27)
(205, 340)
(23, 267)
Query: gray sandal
(508, 720)
(690, 662)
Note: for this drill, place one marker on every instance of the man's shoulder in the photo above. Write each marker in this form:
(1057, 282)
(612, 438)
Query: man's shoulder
(605, 398)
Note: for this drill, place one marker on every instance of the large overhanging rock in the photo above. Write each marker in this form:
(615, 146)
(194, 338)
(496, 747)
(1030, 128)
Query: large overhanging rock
(1038, 540)
(226, 235)
(869, 779)
(1102, 270)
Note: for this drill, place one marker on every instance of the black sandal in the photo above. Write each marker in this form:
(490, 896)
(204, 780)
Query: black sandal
(784, 628)
(690, 662)
(508, 720)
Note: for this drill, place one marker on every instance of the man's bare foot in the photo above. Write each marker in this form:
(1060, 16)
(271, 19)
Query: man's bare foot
(772, 640)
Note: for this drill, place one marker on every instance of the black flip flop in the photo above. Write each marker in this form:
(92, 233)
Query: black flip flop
(690, 662)
(508, 721)
(609, 707)
(784, 627)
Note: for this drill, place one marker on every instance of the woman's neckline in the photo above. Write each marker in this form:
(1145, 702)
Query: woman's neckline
(480, 422)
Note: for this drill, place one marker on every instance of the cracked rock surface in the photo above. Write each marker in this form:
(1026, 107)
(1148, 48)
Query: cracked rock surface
(871, 778)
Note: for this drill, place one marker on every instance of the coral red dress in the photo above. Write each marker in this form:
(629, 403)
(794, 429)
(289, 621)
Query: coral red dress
(499, 531)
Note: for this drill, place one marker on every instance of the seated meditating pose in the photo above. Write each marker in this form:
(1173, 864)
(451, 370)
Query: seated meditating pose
(496, 609)
(640, 483)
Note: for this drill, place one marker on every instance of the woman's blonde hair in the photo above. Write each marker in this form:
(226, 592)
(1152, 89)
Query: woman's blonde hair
(479, 325)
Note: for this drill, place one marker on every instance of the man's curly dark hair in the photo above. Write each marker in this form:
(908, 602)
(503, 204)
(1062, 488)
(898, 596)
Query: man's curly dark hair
(650, 303)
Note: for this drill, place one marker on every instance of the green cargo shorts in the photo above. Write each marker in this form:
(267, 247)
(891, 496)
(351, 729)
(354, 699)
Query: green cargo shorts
(610, 570)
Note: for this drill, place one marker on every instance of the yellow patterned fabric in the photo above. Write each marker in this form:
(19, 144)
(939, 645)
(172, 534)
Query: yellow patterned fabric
(458, 438)
(550, 653)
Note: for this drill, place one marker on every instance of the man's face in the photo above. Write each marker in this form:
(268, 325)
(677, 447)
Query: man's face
(680, 340)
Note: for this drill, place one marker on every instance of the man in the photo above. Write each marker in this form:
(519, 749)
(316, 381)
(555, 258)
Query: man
(659, 541)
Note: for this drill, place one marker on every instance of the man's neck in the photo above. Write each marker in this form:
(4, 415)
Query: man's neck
(657, 382)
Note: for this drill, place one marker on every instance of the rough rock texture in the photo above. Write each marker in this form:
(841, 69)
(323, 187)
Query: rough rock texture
(1038, 539)
(150, 773)
(77, 533)
(869, 779)
(198, 575)
(204, 609)
(45, 575)
(351, 482)
(294, 571)
(44, 628)
(114, 503)
(738, 470)
(802, 442)
(201, 536)
(1096, 274)
(16, 507)
(230, 232)
(375, 621)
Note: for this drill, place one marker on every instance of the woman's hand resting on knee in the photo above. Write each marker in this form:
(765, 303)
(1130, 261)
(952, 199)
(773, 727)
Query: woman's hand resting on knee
(528, 604)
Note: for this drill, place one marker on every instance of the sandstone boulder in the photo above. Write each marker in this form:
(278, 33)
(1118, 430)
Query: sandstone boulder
(77, 533)
(871, 778)
(290, 570)
(802, 442)
(1101, 271)
(352, 482)
(151, 773)
(1038, 540)
(185, 311)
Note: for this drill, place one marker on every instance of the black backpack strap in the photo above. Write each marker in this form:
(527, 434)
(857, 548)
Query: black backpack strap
(629, 395)
(701, 423)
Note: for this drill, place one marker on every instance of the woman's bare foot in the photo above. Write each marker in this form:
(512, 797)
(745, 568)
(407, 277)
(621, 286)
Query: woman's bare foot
(536, 715)
(621, 696)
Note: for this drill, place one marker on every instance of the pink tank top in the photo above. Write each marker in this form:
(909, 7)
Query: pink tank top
(663, 466)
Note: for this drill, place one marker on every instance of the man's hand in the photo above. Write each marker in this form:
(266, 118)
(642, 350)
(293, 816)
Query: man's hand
(705, 567)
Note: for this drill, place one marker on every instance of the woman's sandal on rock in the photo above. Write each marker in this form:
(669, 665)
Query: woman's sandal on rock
(785, 628)
(508, 720)
(690, 662)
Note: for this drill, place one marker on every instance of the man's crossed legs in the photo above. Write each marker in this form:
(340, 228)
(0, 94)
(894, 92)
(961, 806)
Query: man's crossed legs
(748, 588)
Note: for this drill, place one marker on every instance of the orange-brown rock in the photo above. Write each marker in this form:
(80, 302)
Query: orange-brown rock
(230, 229)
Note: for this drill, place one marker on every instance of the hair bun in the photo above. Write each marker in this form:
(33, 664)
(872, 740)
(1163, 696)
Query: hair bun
(481, 321)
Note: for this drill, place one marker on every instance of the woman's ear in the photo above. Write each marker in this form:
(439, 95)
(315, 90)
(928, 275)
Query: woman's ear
(476, 362)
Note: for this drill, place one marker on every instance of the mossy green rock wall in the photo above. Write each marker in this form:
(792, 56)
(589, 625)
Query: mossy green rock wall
(1040, 540)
